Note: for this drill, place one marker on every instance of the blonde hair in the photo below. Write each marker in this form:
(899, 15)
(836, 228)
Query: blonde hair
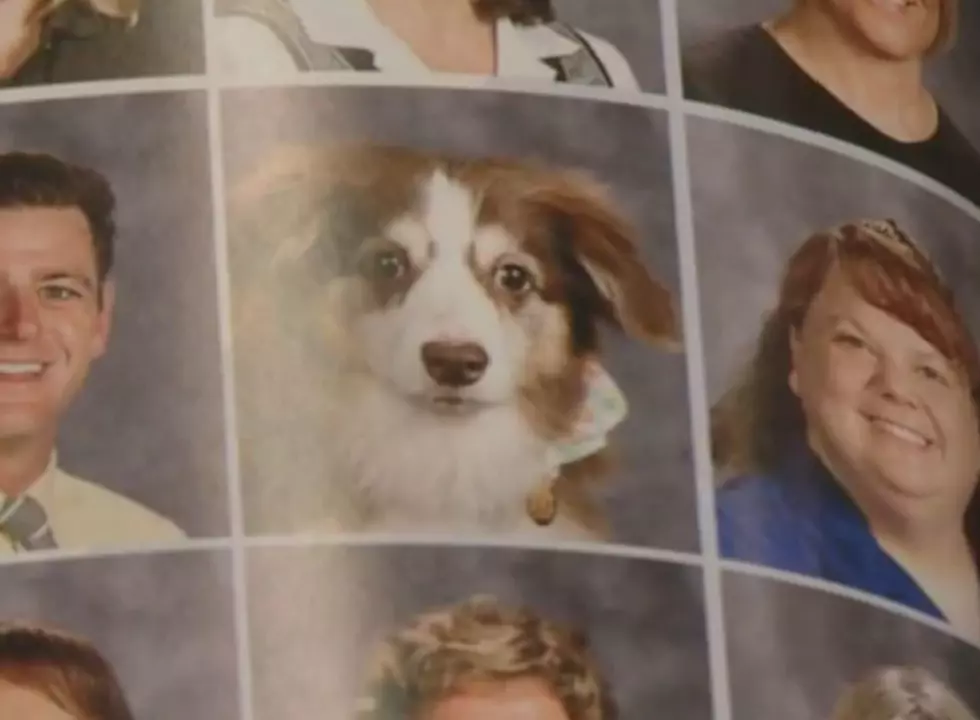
(901, 693)
(440, 652)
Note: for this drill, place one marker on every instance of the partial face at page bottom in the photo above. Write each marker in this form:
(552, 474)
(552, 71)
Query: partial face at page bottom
(528, 699)
(17, 703)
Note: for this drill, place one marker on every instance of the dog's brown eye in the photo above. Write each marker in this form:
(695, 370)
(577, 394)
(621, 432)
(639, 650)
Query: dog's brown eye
(387, 265)
(514, 278)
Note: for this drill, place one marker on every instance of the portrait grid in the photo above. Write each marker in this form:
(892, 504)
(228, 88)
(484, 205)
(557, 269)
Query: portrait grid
(223, 525)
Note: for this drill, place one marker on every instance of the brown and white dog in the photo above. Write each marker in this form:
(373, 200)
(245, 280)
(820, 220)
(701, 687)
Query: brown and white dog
(414, 333)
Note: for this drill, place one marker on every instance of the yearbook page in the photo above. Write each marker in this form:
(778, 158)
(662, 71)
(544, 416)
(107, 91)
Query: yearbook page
(489, 359)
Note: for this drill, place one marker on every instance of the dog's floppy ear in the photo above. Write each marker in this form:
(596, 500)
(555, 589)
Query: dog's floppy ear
(279, 262)
(587, 228)
(269, 214)
(296, 215)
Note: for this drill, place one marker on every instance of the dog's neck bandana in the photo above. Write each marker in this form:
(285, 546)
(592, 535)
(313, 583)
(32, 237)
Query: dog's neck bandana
(605, 407)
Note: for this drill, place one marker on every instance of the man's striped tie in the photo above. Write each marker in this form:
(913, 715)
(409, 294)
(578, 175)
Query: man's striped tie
(23, 520)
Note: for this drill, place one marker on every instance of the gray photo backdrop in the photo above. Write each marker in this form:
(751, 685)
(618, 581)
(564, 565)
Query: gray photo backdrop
(793, 650)
(149, 423)
(632, 26)
(316, 614)
(954, 76)
(758, 197)
(651, 499)
(164, 622)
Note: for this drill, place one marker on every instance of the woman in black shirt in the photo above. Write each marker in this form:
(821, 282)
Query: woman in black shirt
(852, 69)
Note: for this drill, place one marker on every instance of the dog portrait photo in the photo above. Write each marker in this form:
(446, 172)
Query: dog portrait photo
(420, 339)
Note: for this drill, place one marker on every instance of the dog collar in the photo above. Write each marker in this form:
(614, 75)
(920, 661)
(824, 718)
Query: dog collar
(605, 407)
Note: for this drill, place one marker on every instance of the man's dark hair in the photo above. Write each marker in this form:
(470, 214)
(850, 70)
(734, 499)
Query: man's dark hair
(67, 671)
(36, 180)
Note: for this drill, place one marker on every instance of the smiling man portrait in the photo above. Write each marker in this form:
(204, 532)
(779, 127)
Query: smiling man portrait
(56, 300)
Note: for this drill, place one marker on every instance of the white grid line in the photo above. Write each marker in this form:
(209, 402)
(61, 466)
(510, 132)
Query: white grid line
(373, 540)
(828, 143)
(806, 582)
(235, 498)
(97, 89)
(714, 606)
(331, 79)
(61, 555)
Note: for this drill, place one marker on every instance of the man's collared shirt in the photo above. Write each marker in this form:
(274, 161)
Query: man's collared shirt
(84, 515)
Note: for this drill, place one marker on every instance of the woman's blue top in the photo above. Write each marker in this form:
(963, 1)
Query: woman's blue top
(800, 520)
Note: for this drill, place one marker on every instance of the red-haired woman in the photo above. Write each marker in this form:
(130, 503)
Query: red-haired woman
(851, 449)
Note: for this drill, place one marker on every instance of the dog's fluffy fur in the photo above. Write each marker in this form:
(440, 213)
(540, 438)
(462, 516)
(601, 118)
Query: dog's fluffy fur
(348, 261)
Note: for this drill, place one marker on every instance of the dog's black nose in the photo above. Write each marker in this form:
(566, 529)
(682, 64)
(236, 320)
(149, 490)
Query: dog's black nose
(454, 364)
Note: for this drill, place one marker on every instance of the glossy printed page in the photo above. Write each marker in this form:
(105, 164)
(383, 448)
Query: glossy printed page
(485, 359)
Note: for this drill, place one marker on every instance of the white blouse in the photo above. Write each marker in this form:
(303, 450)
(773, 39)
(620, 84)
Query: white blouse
(247, 49)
